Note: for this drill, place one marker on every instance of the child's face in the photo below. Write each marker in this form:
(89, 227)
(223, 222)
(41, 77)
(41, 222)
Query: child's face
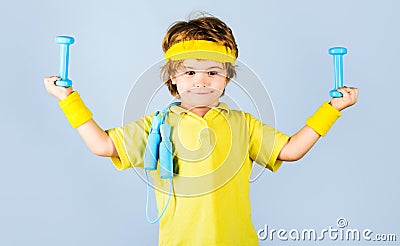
(200, 82)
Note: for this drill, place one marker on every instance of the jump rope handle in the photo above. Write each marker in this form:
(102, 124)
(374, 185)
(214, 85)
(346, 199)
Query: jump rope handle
(337, 53)
(153, 143)
(64, 42)
(166, 162)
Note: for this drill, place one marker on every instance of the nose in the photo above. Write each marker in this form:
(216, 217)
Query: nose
(200, 80)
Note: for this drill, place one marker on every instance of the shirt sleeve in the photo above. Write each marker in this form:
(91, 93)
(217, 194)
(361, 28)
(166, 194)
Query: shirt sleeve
(265, 143)
(130, 143)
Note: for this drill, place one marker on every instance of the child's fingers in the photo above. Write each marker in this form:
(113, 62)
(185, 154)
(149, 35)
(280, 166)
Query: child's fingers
(350, 95)
(345, 89)
(49, 81)
(57, 91)
(345, 92)
(355, 93)
(52, 78)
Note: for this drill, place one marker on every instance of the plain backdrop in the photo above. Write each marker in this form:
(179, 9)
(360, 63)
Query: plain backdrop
(54, 191)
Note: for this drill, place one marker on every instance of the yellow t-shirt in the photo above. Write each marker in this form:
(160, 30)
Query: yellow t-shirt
(213, 158)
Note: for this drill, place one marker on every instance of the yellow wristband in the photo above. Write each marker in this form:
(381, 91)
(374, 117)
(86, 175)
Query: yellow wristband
(322, 120)
(75, 110)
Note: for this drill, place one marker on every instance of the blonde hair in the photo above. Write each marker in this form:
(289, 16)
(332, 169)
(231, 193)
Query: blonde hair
(202, 28)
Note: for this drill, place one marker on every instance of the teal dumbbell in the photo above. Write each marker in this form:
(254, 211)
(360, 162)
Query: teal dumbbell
(337, 53)
(64, 42)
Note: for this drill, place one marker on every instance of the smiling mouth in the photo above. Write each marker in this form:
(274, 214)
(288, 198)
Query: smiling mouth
(202, 93)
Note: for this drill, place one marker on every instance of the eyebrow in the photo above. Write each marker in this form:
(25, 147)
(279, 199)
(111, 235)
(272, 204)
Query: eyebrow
(188, 67)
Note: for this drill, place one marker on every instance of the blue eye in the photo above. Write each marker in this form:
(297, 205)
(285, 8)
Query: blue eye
(190, 73)
(212, 73)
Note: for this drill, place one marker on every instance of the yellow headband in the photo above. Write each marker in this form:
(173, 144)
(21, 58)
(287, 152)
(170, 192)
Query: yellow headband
(200, 49)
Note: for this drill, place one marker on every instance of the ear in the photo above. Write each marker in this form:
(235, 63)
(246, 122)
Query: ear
(173, 80)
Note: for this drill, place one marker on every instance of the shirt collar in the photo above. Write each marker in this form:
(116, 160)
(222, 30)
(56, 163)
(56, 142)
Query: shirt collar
(179, 110)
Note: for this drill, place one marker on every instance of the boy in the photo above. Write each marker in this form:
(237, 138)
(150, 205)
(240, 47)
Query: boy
(214, 147)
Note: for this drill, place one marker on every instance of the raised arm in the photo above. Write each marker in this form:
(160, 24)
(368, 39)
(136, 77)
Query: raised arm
(301, 142)
(95, 138)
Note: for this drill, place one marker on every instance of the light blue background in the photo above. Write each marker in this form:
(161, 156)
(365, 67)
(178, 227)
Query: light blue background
(53, 191)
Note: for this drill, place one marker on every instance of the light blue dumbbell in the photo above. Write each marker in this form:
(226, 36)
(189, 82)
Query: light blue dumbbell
(64, 42)
(337, 53)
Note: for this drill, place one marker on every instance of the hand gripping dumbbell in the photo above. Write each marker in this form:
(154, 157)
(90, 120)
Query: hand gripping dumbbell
(64, 42)
(337, 53)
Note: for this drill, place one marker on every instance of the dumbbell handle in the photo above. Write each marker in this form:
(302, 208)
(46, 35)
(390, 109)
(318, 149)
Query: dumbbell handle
(64, 42)
(337, 53)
